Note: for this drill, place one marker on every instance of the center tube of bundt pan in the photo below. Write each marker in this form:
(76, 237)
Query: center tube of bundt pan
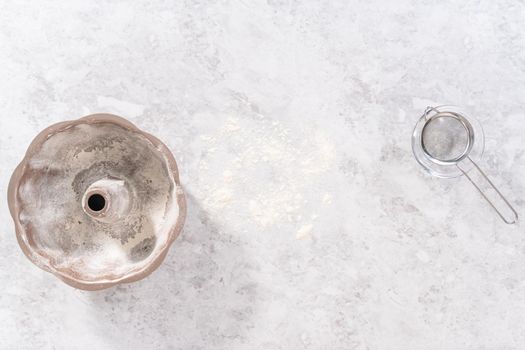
(106, 200)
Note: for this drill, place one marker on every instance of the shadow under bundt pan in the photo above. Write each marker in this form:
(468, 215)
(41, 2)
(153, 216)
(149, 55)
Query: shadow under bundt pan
(97, 202)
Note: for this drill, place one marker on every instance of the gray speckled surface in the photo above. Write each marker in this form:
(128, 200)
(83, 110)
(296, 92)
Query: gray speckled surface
(310, 224)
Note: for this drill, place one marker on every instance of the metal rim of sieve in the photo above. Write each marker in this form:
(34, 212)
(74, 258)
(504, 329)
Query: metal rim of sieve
(468, 128)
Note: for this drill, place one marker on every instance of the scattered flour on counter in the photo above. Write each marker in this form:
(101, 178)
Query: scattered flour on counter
(253, 170)
(327, 198)
(304, 232)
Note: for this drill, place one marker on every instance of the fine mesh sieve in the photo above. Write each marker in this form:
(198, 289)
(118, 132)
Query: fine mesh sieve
(447, 137)
(447, 144)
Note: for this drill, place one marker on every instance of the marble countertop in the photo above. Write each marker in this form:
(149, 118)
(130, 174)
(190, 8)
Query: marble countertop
(310, 224)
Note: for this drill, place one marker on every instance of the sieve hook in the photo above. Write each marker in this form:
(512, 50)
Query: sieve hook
(427, 111)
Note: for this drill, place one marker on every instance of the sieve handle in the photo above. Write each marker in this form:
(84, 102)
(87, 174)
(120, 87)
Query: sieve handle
(487, 189)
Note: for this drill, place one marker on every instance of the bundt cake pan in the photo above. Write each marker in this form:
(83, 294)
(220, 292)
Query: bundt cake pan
(96, 201)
